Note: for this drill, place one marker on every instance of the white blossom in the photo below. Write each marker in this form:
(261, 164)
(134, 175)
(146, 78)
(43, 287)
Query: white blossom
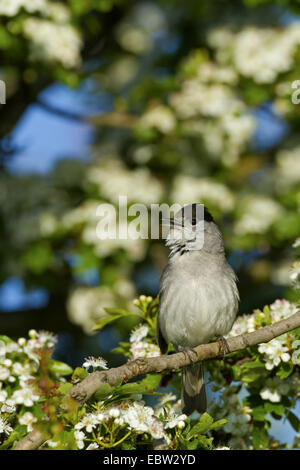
(144, 349)
(282, 308)
(113, 179)
(256, 52)
(138, 349)
(287, 171)
(166, 398)
(274, 389)
(211, 100)
(95, 362)
(139, 333)
(8, 407)
(188, 189)
(92, 446)
(174, 419)
(243, 324)
(54, 41)
(25, 396)
(157, 429)
(3, 395)
(22, 370)
(4, 373)
(274, 353)
(159, 117)
(12, 347)
(237, 424)
(296, 243)
(258, 214)
(28, 419)
(79, 437)
(86, 304)
(295, 274)
(4, 427)
(12, 7)
(138, 417)
(114, 412)
(152, 350)
(58, 12)
(89, 422)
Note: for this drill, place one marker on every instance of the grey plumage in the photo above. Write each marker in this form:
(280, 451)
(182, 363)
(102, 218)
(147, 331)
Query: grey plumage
(198, 296)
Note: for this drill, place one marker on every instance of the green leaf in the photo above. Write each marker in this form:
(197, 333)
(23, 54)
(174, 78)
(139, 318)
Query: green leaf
(218, 424)
(192, 445)
(249, 371)
(237, 371)
(202, 426)
(6, 39)
(276, 408)
(13, 437)
(105, 321)
(147, 385)
(79, 373)
(251, 376)
(79, 7)
(117, 311)
(257, 364)
(104, 391)
(5, 339)
(259, 437)
(59, 367)
(38, 258)
(37, 411)
(64, 388)
(65, 440)
(268, 317)
(294, 421)
(285, 369)
(256, 94)
(259, 413)
(127, 446)
(121, 350)
(205, 443)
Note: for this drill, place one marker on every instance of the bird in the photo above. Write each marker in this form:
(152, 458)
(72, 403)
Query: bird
(198, 295)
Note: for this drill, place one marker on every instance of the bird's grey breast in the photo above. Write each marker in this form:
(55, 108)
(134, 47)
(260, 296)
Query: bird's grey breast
(198, 299)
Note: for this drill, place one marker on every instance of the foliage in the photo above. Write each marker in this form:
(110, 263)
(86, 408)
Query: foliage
(138, 414)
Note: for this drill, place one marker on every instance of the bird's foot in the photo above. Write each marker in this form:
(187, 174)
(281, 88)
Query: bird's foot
(190, 353)
(223, 345)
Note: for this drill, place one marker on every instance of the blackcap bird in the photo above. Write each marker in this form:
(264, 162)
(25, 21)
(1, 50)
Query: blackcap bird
(198, 296)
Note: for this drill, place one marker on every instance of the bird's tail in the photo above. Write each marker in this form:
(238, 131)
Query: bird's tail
(193, 395)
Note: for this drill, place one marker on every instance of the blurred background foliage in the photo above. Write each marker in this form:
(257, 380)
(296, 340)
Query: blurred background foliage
(187, 102)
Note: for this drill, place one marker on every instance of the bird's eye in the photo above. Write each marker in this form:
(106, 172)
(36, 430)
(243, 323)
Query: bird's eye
(194, 221)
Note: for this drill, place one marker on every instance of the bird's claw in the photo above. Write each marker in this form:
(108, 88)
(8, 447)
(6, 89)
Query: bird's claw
(190, 353)
(223, 345)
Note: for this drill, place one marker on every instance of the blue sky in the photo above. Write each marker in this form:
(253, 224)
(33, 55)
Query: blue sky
(44, 138)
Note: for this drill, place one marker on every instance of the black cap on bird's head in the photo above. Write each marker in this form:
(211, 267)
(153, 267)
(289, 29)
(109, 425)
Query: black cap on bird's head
(194, 213)
(190, 214)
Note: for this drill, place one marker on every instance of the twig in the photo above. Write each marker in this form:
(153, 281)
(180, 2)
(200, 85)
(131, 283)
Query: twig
(82, 391)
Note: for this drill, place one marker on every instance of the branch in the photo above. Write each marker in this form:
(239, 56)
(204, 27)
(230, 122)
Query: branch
(64, 113)
(81, 392)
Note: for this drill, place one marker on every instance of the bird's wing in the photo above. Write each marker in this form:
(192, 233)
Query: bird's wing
(163, 345)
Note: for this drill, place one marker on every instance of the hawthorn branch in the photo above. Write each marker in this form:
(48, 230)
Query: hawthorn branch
(82, 391)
